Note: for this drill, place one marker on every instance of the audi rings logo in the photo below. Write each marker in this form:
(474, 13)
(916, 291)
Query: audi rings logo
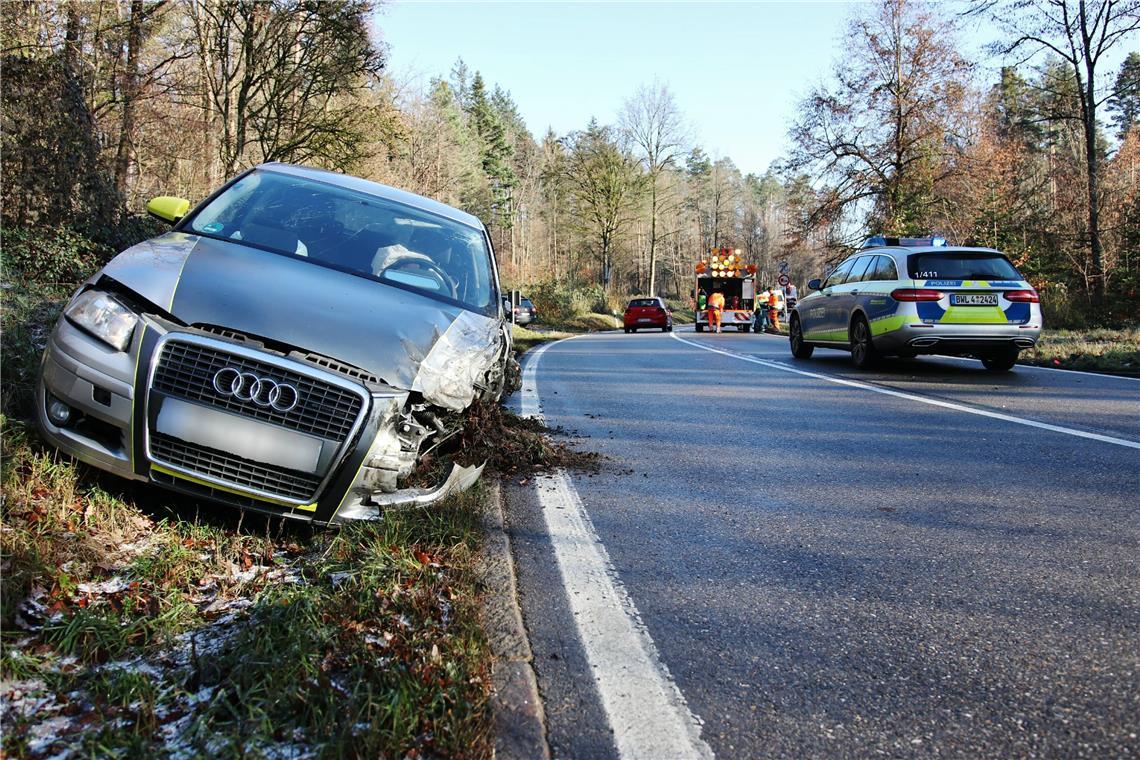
(246, 386)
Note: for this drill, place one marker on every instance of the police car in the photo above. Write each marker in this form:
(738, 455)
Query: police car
(911, 296)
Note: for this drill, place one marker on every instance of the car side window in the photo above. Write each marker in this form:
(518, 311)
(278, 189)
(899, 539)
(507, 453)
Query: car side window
(863, 265)
(885, 269)
(839, 275)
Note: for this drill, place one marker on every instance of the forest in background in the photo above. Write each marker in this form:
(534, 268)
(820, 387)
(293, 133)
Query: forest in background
(110, 102)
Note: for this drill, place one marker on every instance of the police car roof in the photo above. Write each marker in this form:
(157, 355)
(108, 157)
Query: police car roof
(939, 249)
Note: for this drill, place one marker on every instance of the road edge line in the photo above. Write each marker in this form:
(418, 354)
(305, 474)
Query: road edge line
(920, 399)
(646, 710)
(519, 716)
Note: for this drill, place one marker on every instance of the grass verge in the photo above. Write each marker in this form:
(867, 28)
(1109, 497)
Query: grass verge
(132, 631)
(1101, 350)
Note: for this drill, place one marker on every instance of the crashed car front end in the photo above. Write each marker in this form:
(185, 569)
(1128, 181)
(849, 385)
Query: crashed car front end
(259, 380)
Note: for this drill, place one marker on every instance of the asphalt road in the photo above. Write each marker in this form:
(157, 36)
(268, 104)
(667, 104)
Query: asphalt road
(831, 569)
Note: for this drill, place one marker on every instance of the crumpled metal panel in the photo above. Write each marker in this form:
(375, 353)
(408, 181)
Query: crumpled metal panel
(460, 479)
(152, 268)
(450, 375)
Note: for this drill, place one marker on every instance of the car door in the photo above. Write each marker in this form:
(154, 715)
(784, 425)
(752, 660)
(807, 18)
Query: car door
(819, 318)
(845, 294)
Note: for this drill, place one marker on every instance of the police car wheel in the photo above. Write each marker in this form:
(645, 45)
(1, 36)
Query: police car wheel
(1000, 362)
(800, 348)
(863, 352)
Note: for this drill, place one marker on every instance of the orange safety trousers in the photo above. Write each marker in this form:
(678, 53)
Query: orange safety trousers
(714, 319)
(774, 318)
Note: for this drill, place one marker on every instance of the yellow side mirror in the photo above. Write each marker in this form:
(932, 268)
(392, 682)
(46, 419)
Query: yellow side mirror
(168, 208)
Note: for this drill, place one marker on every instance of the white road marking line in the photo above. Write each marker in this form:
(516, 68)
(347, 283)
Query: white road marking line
(645, 708)
(919, 399)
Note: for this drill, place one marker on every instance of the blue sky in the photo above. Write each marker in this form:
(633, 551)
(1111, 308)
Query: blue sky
(736, 69)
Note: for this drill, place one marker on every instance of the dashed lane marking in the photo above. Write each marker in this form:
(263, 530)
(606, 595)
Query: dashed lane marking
(915, 397)
(644, 706)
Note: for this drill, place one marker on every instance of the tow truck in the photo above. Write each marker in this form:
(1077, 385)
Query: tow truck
(724, 271)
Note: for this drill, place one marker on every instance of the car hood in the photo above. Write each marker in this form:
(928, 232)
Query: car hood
(406, 339)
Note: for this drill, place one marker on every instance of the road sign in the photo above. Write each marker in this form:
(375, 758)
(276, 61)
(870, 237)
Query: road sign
(783, 267)
(783, 280)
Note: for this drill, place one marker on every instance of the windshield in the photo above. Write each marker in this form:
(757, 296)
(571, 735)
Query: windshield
(353, 232)
(961, 266)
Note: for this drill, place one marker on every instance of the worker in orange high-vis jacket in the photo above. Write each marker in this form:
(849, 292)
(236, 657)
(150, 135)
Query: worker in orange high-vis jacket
(716, 305)
(774, 309)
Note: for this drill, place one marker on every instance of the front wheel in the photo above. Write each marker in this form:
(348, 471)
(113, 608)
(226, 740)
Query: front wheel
(746, 328)
(800, 348)
(700, 327)
(863, 351)
(1002, 362)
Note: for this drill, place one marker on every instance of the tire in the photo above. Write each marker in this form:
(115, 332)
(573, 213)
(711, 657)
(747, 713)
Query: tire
(746, 328)
(627, 331)
(700, 327)
(863, 352)
(669, 328)
(1002, 362)
(633, 329)
(801, 349)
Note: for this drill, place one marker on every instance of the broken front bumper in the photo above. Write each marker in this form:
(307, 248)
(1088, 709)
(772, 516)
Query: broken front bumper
(153, 413)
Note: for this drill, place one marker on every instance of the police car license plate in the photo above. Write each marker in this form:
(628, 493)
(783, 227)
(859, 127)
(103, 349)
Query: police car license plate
(973, 299)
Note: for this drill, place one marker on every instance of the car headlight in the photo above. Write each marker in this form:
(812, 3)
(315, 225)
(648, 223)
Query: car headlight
(103, 317)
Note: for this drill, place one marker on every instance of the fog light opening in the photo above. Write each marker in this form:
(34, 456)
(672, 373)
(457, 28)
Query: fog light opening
(58, 412)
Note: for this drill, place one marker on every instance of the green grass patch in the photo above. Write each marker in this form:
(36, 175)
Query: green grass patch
(1097, 350)
(592, 322)
(525, 339)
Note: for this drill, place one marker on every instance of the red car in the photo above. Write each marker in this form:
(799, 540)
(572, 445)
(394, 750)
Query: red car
(647, 312)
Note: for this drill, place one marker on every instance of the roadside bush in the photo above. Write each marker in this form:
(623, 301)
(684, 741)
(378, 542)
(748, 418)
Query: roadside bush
(1061, 309)
(50, 255)
(557, 302)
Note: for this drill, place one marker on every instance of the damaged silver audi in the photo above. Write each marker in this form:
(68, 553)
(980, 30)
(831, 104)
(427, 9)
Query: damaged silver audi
(299, 343)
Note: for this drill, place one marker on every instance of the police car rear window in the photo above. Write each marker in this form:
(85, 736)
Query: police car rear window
(961, 266)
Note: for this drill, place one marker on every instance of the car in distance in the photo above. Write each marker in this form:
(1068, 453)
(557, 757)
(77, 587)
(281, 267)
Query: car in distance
(644, 313)
(911, 296)
(525, 313)
(296, 344)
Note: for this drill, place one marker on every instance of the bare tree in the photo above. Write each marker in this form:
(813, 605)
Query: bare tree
(1080, 33)
(889, 129)
(282, 77)
(652, 122)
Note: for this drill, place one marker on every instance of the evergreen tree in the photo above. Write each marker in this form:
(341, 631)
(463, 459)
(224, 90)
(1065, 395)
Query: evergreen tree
(1124, 105)
(496, 151)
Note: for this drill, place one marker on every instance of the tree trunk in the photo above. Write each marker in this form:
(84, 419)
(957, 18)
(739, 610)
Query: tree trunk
(1088, 119)
(130, 97)
(653, 236)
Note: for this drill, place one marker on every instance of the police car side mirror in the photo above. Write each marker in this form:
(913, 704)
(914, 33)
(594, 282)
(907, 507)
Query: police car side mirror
(815, 284)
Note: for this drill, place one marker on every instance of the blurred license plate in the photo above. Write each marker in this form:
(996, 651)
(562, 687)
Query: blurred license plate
(973, 299)
(645, 319)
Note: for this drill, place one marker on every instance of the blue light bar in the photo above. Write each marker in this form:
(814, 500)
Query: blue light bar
(879, 241)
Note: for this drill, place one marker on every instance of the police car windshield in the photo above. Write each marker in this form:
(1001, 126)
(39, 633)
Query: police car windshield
(954, 265)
